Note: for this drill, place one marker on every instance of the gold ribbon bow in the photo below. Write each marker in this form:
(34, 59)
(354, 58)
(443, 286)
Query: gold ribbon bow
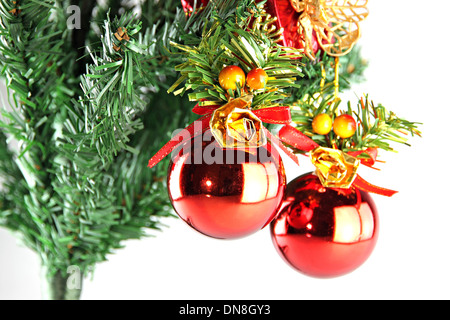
(234, 125)
(335, 168)
(336, 23)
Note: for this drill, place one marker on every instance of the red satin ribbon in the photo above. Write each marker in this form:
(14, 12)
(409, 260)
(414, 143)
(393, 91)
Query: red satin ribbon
(371, 152)
(276, 115)
(297, 139)
(195, 128)
(287, 134)
(362, 184)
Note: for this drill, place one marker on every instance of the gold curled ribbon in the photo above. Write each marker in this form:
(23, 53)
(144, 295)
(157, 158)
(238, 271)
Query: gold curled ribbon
(335, 22)
(234, 125)
(334, 168)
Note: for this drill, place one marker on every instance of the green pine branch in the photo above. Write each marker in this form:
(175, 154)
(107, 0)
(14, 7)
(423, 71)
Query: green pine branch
(236, 40)
(78, 185)
(377, 127)
(33, 56)
(351, 71)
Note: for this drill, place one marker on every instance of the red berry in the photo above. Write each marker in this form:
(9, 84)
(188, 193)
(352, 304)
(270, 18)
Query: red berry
(257, 79)
(344, 126)
(231, 75)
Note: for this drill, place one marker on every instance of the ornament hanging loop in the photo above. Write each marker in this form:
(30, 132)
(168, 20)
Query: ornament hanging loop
(336, 80)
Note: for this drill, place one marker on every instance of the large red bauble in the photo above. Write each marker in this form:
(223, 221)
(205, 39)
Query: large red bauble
(226, 193)
(324, 232)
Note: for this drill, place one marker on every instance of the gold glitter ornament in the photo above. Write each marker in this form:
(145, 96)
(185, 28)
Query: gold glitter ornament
(335, 22)
(234, 125)
(334, 168)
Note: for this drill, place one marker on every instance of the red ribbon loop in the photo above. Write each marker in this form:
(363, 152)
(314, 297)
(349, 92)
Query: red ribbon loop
(371, 152)
(276, 140)
(195, 128)
(276, 115)
(200, 110)
(297, 139)
(363, 185)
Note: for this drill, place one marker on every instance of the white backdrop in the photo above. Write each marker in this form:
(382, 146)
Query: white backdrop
(405, 45)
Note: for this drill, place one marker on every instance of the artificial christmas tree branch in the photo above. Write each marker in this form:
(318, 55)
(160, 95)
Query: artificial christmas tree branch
(76, 196)
(34, 55)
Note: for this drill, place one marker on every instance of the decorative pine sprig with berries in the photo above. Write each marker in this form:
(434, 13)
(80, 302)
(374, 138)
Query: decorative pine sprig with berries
(244, 45)
(368, 125)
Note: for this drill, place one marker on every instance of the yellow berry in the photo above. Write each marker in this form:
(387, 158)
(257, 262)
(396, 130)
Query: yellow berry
(231, 75)
(257, 79)
(322, 124)
(344, 126)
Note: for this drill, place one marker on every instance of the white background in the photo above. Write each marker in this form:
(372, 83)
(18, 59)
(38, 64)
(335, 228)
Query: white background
(405, 42)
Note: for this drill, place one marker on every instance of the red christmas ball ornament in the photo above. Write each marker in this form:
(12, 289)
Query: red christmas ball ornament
(324, 232)
(225, 193)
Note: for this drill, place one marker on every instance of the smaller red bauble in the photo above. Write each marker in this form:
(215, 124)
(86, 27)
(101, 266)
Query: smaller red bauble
(225, 193)
(344, 126)
(257, 79)
(229, 76)
(324, 232)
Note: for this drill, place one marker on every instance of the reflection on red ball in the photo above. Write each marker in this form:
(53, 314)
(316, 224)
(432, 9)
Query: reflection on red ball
(226, 193)
(324, 232)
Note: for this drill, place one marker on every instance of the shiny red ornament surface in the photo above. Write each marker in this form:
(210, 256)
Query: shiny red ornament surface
(324, 232)
(225, 193)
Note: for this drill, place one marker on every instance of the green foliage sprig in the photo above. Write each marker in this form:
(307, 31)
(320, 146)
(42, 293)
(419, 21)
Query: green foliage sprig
(77, 184)
(238, 40)
(376, 126)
